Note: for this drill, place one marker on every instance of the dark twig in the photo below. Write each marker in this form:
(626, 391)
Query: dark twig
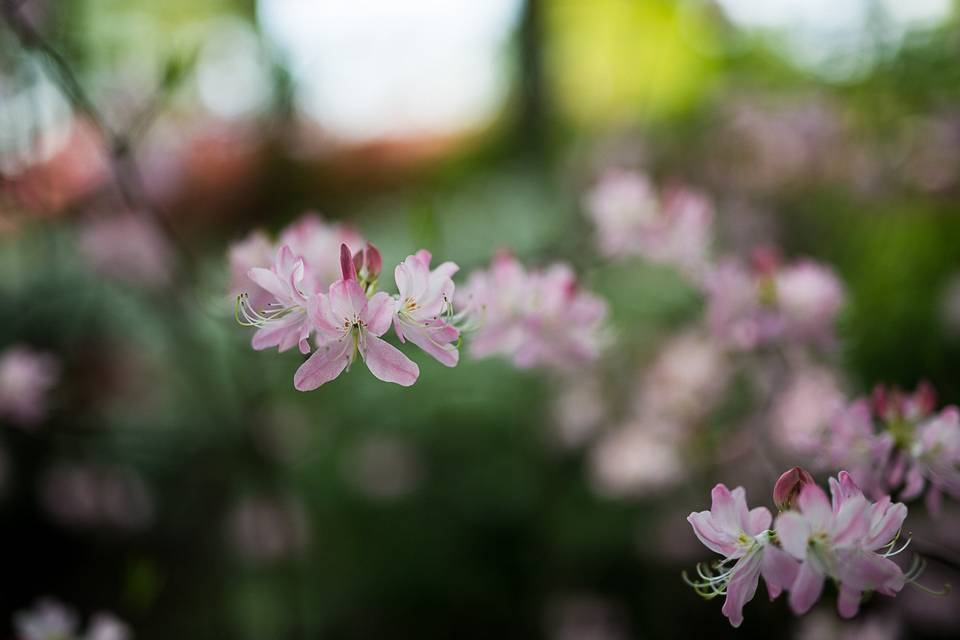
(118, 147)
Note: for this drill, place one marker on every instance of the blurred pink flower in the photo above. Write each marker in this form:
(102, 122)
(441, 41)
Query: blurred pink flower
(26, 379)
(896, 441)
(126, 248)
(347, 323)
(743, 537)
(803, 410)
(50, 620)
(750, 307)
(383, 467)
(79, 495)
(256, 250)
(264, 529)
(105, 626)
(318, 243)
(674, 228)
(853, 443)
(824, 625)
(425, 298)
(809, 297)
(846, 538)
(536, 318)
(637, 459)
(686, 378)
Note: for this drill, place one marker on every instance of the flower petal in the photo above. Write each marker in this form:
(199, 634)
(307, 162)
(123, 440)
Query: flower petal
(779, 570)
(347, 301)
(742, 587)
(326, 363)
(380, 310)
(793, 531)
(815, 506)
(806, 589)
(713, 538)
(386, 362)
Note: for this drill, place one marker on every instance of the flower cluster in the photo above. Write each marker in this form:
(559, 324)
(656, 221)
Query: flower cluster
(50, 620)
(672, 228)
(534, 318)
(845, 537)
(898, 441)
(350, 316)
(319, 281)
(766, 302)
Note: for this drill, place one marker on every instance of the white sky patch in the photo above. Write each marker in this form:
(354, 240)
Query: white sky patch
(835, 37)
(366, 69)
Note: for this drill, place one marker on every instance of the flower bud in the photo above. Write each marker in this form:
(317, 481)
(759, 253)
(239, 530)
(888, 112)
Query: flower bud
(368, 262)
(788, 487)
(346, 264)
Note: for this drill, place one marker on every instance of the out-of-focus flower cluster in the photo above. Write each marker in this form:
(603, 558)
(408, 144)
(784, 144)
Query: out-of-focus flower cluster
(897, 442)
(51, 620)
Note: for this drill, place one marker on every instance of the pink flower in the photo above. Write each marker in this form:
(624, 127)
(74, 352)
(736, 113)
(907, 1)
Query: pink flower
(538, 318)
(283, 322)
(623, 204)
(256, 250)
(809, 297)
(425, 296)
(26, 378)
(347, 323)
(853, 443)
(318, 243)
(310, 238)
(127, 248)
(766, 303)
(803, 410)
(743, 538)
(936, 455)
(631, 219)
(839, 538)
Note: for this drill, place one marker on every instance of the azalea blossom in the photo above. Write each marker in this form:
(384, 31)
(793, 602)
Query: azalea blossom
(897, 441)
(283, 322)
(310, 238)
(841, 538)
(632, 219)
(768, 303)
(534, 318)
(744, 539)
(424, 299)
(26, 379)
(347, 323)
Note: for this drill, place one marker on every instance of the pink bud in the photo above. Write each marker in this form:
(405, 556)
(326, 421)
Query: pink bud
(925, 399)
(368, 262)
(788, 487)
(346, 263)
(879, 400)
(765, 259)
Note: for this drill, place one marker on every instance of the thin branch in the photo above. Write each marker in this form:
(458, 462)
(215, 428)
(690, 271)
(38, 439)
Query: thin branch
(118, 148)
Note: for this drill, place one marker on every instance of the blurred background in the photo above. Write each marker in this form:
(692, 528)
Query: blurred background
(153, 465)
